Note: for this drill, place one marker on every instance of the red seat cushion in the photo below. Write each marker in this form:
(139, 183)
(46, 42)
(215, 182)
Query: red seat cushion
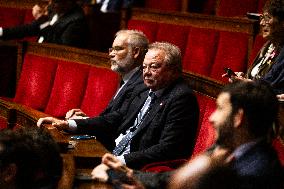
(166, 5)
(175, 34)
(102, 85)
(148, 28)
(164, 166)
(233, 8)
(36, 81)
(206, 134)
(68, 89)
(231, 52)
(200, 51)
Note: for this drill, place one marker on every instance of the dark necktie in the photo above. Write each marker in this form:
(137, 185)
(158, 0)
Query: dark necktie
(126, 138)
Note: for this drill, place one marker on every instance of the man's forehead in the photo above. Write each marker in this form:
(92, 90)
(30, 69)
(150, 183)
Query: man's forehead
(121, 39)
(154, 55)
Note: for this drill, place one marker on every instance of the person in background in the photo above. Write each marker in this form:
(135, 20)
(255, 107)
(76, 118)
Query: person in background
(117, 5)
(157, 122)
(269, 63)
(29, 158)
(243, 119)
(61, 22)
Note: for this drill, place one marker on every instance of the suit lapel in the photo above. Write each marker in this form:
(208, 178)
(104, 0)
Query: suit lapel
(157, 106)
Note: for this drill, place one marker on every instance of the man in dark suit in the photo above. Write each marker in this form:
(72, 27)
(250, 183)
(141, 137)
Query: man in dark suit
(63, 22)
(243, 119)
(126, 57)
(155, 126)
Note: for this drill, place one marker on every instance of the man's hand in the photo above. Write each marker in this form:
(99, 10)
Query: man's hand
(59, 124)
(280, 97)
(99, 173)
(114, 163)
(39, 11)
(75, 114)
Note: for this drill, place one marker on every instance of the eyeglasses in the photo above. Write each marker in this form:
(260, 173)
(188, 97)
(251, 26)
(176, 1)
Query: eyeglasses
(266, 18)
(116, 49)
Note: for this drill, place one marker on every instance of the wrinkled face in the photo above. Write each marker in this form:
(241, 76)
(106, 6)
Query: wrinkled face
(222, 119)
(156, 73)
(121, 55)
(270, 26)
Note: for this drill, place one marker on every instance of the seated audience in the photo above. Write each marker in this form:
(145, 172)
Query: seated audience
(29, 158)
(269, 63)
(61, 22)
(155, 123)
(244, 117)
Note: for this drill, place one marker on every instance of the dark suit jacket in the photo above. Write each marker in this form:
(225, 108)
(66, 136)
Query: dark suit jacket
(70, 29)
(258, 168)
(104, 122)
(167, 132)
(134, 85)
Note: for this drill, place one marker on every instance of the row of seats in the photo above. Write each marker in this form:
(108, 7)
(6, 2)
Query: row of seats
(205, 51)
(228, 8)
(55, 86)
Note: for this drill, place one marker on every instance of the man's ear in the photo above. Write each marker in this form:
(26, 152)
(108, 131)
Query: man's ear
(9, 173)
(136, 52)
(238, 118)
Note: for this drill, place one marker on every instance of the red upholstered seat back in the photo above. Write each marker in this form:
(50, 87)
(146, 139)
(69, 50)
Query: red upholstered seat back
(258, 43)
(261, 4)
(11, 16)
(3, 123)
(175, 34)
(206, 134)
(148, 28)
(36, 81)
(101, 86)
(166, 5)
(233, 8)
(68, 89)
(279, 147)
(200, 50)
(231, 52)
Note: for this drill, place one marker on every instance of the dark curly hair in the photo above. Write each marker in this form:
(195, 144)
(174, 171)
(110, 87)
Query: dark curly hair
(275, 8)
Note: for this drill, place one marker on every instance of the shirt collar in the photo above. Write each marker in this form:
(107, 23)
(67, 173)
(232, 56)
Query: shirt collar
(242, 149)
(127, 76)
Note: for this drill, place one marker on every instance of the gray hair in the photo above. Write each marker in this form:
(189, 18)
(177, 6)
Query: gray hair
(135, 38)
(173, 55)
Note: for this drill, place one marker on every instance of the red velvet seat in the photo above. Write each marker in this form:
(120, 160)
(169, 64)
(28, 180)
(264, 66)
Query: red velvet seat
(175, 34)
(165, 5)
(200, 51)
(261, 4)
(258, 43)
(3, 123)
(11, 16)
(101, 86)
(232, 8)
(279, 147)
(231, 52)
(148, 28)
(206, 134)
(36, 81)
(68, 89)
